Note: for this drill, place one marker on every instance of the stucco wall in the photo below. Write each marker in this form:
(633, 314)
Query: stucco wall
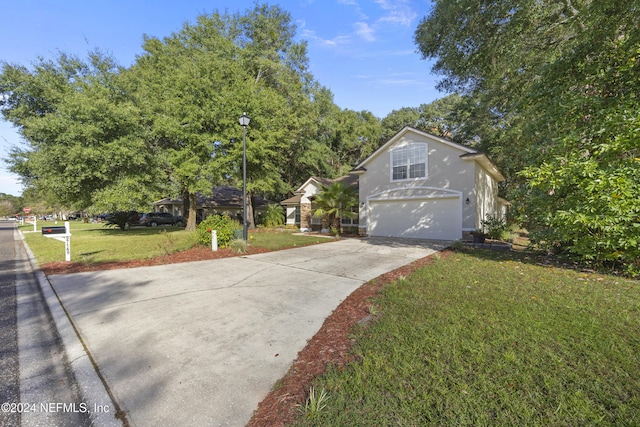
(309, 189)
(486, 196)
(445, 170)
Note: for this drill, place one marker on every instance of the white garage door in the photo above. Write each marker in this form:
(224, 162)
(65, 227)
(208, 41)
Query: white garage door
(436, 218)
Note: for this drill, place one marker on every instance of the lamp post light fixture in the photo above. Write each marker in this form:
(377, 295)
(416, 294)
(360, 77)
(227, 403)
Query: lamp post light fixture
(244, 122)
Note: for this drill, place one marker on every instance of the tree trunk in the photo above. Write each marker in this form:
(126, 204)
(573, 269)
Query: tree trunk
(193, 207)
(185, 204)
(336, 224)
(325, 222)
(251, 221)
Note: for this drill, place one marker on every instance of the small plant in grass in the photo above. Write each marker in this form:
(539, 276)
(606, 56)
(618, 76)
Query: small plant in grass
(224, 226)
(238, 246)
(457, 245)
(373, 310)
(315, 403)
(168, 242)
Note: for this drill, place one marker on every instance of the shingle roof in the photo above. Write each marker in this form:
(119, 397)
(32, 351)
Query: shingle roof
(222, 197)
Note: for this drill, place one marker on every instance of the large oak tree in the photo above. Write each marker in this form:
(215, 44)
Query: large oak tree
(556, 83)
(84, 140)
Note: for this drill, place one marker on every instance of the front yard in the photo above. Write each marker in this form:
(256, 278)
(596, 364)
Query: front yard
(94, 243)
(480, 338)
(476, 338)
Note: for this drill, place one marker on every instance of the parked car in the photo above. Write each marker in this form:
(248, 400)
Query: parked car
(122, 219)
(153, 219)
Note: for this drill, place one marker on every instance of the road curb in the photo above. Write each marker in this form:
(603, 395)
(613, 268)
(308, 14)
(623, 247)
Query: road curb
(93, 389)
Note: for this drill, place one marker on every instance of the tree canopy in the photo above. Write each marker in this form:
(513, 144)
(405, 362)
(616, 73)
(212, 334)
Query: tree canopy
(556, 84)
(84, 134)
(104, 137)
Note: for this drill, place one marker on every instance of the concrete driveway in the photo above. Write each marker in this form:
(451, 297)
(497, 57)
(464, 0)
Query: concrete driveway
(202, 343)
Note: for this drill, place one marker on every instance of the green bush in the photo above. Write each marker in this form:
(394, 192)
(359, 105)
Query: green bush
(273, 216)
(238, 246)
(224, 227)
(496, 228)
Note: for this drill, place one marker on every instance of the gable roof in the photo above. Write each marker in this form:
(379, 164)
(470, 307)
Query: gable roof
(486, 164)
(468, 153)
(348, 180)
(407, 129)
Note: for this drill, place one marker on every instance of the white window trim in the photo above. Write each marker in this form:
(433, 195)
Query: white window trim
(349, 222)
(426, 162)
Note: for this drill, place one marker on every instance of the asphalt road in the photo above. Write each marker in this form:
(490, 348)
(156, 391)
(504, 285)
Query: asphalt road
(37, 386)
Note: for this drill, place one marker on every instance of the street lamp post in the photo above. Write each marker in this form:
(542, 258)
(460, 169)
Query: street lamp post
(244, 122)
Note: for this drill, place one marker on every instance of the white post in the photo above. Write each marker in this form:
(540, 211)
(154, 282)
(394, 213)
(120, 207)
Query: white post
(67, 241)
(34, 224)
(214, 240)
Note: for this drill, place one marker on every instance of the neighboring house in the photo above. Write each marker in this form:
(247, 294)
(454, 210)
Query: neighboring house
(223, 200)
(417, 185)
(300, 207)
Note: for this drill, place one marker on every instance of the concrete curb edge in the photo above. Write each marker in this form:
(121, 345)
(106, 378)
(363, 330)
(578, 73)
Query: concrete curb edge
(94, 390)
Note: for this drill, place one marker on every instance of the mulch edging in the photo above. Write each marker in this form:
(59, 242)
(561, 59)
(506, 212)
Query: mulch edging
(330, 346)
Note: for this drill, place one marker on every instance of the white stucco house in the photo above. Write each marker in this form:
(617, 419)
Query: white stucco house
(418, 185)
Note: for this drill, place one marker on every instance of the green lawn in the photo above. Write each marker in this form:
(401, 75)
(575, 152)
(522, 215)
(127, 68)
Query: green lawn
(492, 339)
(94, 243)
(276, 240)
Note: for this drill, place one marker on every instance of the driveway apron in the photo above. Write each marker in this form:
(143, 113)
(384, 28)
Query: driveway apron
(202, 343)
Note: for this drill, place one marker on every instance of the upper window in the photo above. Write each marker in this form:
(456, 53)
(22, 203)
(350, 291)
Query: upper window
(409, 162)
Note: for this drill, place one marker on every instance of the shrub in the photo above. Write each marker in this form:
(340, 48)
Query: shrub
(238, 246)
(496, 228)
(273, 216)
(224, 226)
(457, 245)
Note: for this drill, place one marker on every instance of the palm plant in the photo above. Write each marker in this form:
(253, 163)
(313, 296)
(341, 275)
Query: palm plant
(335, 201)
(274, 215)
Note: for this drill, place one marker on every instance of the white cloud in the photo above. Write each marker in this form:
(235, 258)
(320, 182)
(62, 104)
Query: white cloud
(397, 12)
(392, 13)
(336, 41)
(364, 31)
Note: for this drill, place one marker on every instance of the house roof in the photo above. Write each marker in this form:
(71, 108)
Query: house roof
(292, 200)
(222, 197)
(349, 180)
(486, 163)
(468, 153)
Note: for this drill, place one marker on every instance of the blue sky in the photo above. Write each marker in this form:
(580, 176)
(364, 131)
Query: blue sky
(362, 50)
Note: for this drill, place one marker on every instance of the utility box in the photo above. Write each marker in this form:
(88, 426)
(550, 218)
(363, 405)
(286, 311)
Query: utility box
(54, 230)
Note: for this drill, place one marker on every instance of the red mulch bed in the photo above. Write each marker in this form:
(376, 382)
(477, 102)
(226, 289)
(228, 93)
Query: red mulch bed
(330, 346)
(193, 254)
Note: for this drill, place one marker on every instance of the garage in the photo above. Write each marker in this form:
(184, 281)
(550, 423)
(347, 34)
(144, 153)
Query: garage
(438, 218)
